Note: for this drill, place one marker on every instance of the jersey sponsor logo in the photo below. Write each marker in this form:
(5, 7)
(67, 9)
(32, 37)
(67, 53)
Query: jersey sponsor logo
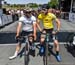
(46, 20)
(28, 22)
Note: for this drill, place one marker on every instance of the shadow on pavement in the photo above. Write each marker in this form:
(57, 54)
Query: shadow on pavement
(31, 52)
(26, 57)
(71, 50)
(9, 38)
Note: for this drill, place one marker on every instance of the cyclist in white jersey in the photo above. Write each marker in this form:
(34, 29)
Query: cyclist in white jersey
(28, 25)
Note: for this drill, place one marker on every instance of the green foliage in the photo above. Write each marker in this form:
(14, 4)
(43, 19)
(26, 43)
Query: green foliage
(53, 3)
(33, 5)
(22, 6)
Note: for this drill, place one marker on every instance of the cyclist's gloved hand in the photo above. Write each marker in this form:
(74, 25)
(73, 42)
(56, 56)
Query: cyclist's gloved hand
(43, 32)
(17, 37)
(55, 32)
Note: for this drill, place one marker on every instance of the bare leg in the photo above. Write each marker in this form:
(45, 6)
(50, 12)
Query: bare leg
(56, 45)
(58, 57)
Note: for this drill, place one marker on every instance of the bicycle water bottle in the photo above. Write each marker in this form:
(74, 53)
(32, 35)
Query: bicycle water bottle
(42, 50)
(47, 37)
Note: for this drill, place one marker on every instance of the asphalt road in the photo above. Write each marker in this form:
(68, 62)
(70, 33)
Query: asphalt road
(8, 50)
(8, 44)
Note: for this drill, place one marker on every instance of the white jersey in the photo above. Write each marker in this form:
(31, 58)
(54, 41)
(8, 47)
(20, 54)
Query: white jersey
(27, 23)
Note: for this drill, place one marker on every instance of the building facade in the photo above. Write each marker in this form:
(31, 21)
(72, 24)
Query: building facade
(67, 5)
(73, 8)
(0, 3)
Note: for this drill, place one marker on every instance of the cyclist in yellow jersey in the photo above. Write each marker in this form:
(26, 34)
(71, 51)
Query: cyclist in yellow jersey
(47, 20)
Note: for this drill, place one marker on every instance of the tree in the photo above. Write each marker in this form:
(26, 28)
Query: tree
(53, 4)
(32, 5)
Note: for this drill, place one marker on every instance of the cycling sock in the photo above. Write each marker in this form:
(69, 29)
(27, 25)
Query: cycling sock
(16, 53)
(14, 56)
(57, 52)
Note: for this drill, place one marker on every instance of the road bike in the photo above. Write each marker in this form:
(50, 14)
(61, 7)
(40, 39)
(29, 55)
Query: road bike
(47, 47)
(26, 48)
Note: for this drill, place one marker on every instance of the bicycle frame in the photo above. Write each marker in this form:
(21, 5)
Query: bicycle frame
(46, 48)
(26, 56)
(26, 50)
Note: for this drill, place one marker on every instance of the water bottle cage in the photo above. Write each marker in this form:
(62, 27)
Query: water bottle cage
(47, 37)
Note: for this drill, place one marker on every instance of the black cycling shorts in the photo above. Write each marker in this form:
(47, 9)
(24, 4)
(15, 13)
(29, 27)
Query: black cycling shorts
(24, 33)
(51, 37)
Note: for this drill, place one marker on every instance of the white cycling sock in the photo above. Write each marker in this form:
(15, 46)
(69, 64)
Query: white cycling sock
(14, 56)
(16, 53)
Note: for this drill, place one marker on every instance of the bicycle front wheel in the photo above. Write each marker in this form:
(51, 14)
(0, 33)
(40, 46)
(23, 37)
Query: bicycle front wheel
(26, 55)
(46, 55)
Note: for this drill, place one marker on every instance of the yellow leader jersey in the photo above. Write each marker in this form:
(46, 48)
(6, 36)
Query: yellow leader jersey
(47, 20)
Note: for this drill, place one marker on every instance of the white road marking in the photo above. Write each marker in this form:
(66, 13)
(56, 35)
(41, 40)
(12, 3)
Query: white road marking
(35, 44)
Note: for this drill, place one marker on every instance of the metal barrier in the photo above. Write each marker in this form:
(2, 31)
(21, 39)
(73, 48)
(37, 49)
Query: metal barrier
(6, 19)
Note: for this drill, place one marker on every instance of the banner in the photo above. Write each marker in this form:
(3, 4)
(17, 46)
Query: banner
(72, 17)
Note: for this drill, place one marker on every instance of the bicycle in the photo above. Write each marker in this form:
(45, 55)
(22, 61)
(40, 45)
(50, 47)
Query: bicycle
(26, 51)
(47, 47)
(26, 48)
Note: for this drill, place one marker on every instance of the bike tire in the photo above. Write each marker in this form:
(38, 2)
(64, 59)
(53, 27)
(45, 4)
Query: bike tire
(26, 54)
(46, 55)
